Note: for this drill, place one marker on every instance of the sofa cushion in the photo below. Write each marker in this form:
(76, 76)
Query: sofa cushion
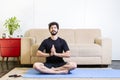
(84, 60)
(85, 50)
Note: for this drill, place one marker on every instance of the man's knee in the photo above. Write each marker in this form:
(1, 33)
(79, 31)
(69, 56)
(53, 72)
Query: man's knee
(73, 65)
(37, 64)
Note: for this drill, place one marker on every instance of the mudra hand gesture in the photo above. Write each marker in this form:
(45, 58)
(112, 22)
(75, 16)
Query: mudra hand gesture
(53, 50)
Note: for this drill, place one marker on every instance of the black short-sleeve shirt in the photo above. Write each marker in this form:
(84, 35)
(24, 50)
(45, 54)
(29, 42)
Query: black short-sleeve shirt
(60, 46)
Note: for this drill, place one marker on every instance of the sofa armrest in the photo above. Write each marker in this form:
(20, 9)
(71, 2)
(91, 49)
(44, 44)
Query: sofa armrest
(26, 43)
(106, 44)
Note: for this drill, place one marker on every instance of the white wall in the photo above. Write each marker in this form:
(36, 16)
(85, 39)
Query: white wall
(103, 14)
(22, 9)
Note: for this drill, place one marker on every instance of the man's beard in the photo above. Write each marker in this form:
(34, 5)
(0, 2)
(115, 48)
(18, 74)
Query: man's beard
(53, 32)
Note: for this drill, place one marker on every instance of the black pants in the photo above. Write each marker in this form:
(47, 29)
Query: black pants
(50, 65)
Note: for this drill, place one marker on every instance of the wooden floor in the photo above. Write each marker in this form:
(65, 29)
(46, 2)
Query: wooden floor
(7, 66)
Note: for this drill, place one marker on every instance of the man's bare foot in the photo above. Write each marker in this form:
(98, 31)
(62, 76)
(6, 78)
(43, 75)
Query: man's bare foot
(58, 71)
(53, 68)
(63, 72)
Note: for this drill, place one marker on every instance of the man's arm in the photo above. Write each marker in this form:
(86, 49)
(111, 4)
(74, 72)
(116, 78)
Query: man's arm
(53, 52)
(42, 54)
(65, 54)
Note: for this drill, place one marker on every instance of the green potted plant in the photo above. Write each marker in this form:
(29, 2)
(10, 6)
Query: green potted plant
(12, 24)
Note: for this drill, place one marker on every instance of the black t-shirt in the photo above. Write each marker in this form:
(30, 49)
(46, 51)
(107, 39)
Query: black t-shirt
(60, 46)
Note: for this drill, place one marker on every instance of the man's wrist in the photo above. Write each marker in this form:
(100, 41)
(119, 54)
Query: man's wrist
(49, 54)
(55, 54)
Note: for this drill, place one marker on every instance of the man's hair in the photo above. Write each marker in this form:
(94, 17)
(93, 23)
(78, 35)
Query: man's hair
(53, 23)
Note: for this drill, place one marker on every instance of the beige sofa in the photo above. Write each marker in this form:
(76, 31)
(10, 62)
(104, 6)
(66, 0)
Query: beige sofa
(86, 45)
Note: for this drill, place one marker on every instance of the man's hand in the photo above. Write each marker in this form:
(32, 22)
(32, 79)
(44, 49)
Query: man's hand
(53, 50)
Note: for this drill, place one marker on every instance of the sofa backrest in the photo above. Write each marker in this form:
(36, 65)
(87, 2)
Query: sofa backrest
(68, 35)
(72, 36)
(38, 34)
(86, 36)
(80, 36)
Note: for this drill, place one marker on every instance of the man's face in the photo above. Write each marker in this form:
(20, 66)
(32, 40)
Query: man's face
(53, 30)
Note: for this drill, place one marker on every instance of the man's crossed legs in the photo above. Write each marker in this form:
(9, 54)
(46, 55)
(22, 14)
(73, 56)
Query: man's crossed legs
(64, 69)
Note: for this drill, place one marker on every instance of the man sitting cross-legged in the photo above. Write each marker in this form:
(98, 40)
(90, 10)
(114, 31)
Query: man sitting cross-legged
(56, 49)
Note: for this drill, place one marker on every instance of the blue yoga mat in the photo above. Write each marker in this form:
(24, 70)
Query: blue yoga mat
(77, 73)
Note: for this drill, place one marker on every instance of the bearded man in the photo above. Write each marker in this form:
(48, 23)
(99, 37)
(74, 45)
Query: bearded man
(56, 49)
